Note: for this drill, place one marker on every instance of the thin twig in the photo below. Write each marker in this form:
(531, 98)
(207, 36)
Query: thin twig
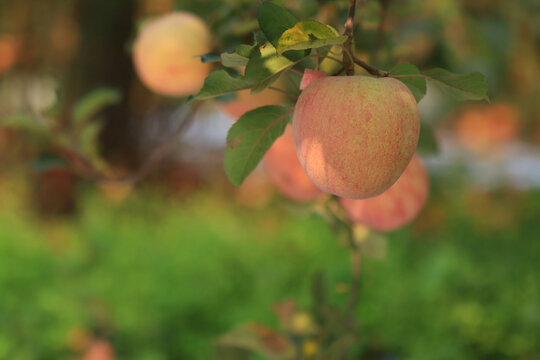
(317, 64)
(295, 71)
(370, 69)
(283, 92)
(84, 168)
(162, 151)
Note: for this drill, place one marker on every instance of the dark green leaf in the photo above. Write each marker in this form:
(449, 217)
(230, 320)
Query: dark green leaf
(470, 86)
(210, 57)
(274, 21)
(94, 102)
(308, 35)
(416, 84)
(46, 162)
(427, 144)
(249, 139)
(220, 83)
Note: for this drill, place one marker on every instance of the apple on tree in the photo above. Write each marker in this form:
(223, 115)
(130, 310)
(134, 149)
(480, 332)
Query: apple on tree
(395, 207)
(166, 54)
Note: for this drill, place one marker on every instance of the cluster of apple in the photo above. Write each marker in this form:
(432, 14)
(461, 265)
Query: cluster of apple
(351, 136)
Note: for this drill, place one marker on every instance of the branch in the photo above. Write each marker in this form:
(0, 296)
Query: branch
(84, 168)
(370, 69)
(350, 59)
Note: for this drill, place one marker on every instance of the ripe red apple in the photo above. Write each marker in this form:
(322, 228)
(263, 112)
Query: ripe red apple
(355, 135)
(165, 54)
(395, 207)
(285, 171)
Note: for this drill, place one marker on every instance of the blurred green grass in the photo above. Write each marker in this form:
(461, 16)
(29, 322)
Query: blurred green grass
(161, 279)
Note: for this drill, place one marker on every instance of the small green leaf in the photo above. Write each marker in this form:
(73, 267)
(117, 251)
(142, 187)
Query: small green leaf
(249, 139)
(238, 58)
(46, 162)
(427, 144)
(209, 57)
(264, 67)
(274, 20)
(23, 121)
(220, 83)
(417, 83)
(470, 86)
(308, 35)
(89, 143)
(92, 103)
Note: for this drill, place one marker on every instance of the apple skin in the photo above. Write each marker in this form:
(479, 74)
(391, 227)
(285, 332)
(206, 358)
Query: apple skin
(355, 135)
(165, 54)
(395, 207)
(285, 171)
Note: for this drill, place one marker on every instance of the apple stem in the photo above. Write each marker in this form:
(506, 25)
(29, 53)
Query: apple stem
(350, 60)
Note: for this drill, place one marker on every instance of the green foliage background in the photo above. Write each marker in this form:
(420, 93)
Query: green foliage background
(162, 279)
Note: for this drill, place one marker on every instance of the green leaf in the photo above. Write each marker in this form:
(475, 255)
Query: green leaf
(427, 144)
(470, 86)
(274, 20)
(23, 121)
(264, 67)
(238, 58)
(416, 84)
(92, 103)
(249, 139)
(46, 162)
(220, 83)
(210, 57)
(307, 35)
(89, 143)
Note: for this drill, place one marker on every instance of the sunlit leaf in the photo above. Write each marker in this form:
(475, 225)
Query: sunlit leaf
(249, 139)
(308, 35)
(274, 20)
(264, 67)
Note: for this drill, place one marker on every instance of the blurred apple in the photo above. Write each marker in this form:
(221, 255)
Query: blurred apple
(99, 350)
(481, 128)
(397, 206)
(166, 52)
(285, 171)
(8, 52)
